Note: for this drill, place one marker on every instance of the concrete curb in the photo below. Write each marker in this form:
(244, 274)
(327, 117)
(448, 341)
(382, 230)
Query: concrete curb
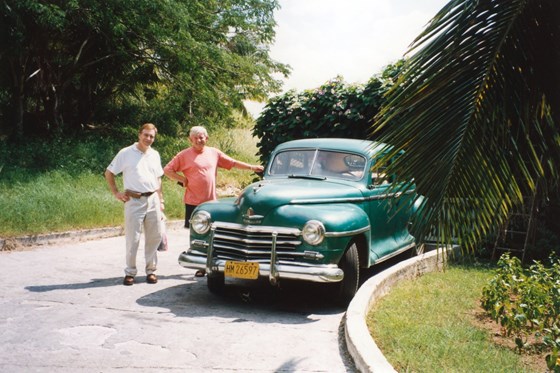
(361, 346)
(7, 244)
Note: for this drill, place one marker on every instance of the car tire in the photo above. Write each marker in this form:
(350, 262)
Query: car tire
(350, 264)
(216, 283)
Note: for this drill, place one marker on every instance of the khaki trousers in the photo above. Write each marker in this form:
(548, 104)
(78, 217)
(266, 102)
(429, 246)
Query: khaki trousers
(142, 214)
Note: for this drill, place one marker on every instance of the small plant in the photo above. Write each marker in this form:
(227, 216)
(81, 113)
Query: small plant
(525, 302)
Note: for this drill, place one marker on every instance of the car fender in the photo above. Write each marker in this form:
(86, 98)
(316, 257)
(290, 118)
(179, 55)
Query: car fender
(343, 223)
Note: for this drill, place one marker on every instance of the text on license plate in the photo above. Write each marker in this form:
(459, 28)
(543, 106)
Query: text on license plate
(246, 270)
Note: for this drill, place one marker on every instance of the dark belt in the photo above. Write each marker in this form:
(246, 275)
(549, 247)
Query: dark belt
(134, 194)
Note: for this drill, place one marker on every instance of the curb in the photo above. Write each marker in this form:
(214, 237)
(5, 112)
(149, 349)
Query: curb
(7, 244)
(361, 346)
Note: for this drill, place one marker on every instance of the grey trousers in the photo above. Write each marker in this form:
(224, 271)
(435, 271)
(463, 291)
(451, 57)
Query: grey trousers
(142, 214)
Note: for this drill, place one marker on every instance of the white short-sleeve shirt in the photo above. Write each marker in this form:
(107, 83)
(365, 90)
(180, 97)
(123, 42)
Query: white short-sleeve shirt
(141, 171)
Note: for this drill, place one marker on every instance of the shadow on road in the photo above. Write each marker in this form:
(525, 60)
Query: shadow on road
(242, 301)
(245, 301)
(94, 283)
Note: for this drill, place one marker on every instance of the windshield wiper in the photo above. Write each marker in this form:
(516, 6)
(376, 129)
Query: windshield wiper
(311, 177)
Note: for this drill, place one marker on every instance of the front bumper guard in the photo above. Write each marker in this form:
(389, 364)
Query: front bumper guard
(274, 270)
(325, 273)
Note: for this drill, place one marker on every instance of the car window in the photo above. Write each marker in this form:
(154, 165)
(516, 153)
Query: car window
(379, 176)
(319, 163)
(340, 165)
(292, 162)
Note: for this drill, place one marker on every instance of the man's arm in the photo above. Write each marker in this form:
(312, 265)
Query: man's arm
(110, 177)
(175, 176)
(247, 166)
(160, 194)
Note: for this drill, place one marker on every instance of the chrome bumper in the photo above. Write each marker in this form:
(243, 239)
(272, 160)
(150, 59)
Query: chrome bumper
(307, 272)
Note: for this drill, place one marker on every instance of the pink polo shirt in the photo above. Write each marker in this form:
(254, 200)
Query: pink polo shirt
(201, 170)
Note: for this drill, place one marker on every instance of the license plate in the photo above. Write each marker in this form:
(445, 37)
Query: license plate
(246, 270)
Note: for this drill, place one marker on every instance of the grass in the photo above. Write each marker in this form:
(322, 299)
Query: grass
(70, 191)
(56, 202)
(430, 325)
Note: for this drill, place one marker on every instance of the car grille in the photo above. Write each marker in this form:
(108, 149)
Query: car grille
(250, 243)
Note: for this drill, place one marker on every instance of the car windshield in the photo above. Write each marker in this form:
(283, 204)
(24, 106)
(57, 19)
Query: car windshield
(318, 163)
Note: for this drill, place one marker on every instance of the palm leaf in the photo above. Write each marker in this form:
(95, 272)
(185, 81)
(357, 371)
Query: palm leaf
(476, 109)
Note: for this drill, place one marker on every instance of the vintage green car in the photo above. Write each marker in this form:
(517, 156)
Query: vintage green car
(319, 214)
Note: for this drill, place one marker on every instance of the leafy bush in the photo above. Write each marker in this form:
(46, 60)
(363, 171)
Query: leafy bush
(26, 159)
(527, 302)
(335, 109)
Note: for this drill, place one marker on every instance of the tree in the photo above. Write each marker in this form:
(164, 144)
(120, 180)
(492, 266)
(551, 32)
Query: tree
(477, 110)
(68, 63)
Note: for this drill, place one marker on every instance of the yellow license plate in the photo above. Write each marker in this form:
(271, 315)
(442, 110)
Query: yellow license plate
(246, 270)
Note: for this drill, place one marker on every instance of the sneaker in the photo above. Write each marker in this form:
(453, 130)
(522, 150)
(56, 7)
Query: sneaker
(151, 278)
(128, 280)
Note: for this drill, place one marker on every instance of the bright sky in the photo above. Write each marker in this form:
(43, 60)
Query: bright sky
(356, 39)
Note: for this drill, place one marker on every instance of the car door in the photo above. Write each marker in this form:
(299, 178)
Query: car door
(389, 215)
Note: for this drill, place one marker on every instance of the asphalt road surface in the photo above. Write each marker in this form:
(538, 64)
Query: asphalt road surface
(63, 308)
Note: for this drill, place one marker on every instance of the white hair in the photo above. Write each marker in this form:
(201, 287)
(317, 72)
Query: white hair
(196, 130)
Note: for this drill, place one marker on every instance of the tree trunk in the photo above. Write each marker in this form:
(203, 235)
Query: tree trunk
(19, 96)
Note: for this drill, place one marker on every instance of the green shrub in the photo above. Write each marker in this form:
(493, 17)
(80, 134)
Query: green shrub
(527, 302)
(73, 155)
(335, 109)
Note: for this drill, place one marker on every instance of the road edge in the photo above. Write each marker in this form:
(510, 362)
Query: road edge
(34, 240)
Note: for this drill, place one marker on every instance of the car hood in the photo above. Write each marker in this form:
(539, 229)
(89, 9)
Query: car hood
(266, 195)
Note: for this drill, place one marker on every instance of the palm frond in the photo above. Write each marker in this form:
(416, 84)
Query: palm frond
(477, 111)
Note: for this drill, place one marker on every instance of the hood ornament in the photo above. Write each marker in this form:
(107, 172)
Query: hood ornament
(250, 218)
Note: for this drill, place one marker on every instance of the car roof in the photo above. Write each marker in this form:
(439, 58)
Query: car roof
(343, 144)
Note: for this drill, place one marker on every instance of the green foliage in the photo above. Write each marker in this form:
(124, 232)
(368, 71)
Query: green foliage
(335, 109)
(428, 325)
(526, 302)
(65, 64)
(478, 114)
(58, 185)
(25, 160)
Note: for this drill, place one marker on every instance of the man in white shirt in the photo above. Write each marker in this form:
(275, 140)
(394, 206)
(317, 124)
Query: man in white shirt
(142, 171)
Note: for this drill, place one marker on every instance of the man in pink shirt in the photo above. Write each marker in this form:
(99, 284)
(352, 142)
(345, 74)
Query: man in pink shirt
(197, 167)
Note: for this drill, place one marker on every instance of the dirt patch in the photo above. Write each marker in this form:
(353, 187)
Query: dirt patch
(533, 357)
(10, 244)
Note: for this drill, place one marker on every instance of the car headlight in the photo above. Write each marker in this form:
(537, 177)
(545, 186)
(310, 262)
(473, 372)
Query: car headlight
(200, 222)
(313, 232)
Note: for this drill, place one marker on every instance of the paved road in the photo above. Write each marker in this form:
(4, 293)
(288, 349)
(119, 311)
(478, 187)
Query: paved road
(63, 308)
